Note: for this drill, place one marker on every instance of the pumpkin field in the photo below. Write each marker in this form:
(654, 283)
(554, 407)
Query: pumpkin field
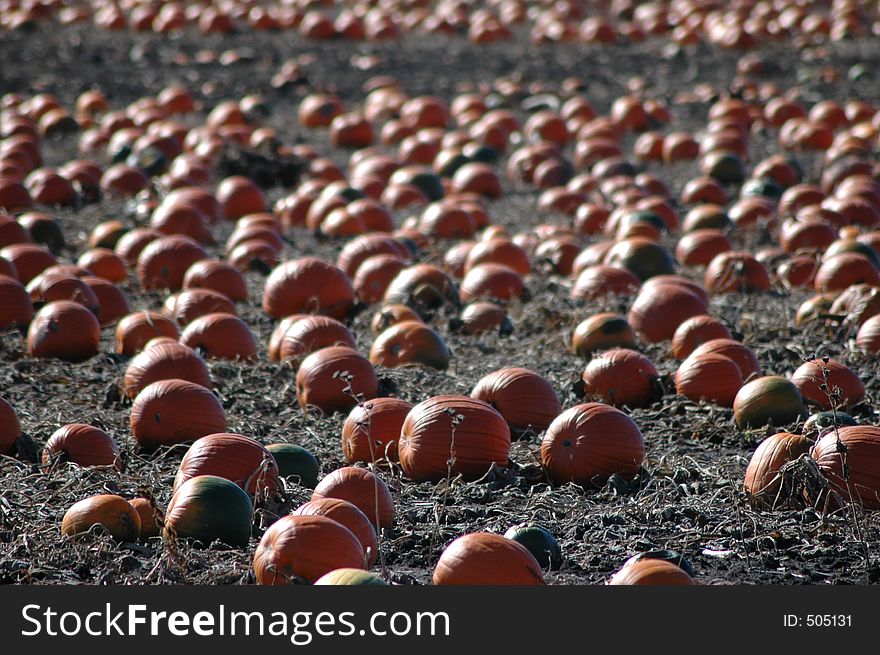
(463, 292)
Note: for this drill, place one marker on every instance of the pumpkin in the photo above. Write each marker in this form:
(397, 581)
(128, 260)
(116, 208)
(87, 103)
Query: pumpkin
(132, 243)
(84, 445)
(239, 459)
(335, 379)
(295, 461)
(588, 443)
(819, 421)
(711, 377)
(659, 310)
(163, 262)
(10, 428)
(112, 512)
(238, 196)
(481, 317)
(349, 577)
(209, 508)
(493, 282)
(152, 518)
(363, 489)
(642, 257)
(735, 271)
(135, 330)
(64, 330)
(374, 275)
(525, 399)
(371, 430)
(358, 250)
(410, 343)
(678, 280)
(308, 285)
(650, 571)
(164, 361)
(453, 435)
(763, 482)
(422, 286)
(112, 303)
(348, 515)
(16, 308)
(868, 336)
(840, 271)
(601, 280)
(769, 399)
(539, 542)
(29, 260)
(700, 247)
(483, 558)
(696, 331)
(499, 250)
(390, 315)
(186, 306)
(221, 336)
(311, 333)
(104, 263)
(50, 286)
(306, 547)
(621, 377)
(741, 354)
(174, 411)
(218, 276)
(843, 388)
(850, 467)
(858, 303)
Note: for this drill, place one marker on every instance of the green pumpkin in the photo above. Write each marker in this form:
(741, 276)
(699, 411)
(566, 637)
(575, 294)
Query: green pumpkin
(210, 508)
(430, 184)
(296, 461)
(761, 187)
(539, 542)
(726, 167)
(351, 577)
(823, 420)
(769, 399)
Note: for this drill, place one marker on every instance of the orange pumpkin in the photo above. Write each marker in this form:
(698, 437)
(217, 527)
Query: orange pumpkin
(410, 343)
(422, 286)
(221, 336)
(308, 285)
(452, 434)
(306, 547)
(699, 247)
(650, 571)
(601, 280)
(391, 315)
(601, 331)
(644, 258)
(484, 558)
(10, 428)
(363, 489)
(374, 275)
(621, 377)
(311, 333)
(163, 262)
(135, 330)
(358, 250)
(868, 337)
(763, 481)
(710, 377)
(696, 331)
(173, 411)
(16, 308)
(104, 263)
(239, 459)
(131, 244)
(215, 275)
(768, 399)
(152, 518)
(335, 379)
(493, 282)
(371, 430)
(65, 330)
(238, 196)
(843, 388)
(525, 399)
(858, 303)
(188, 305)
(588, 443)
(84, 445)
(736, 271)
(480, 317)
(659, 310)
(351, 517)
(499, 250)
(112, 512)
(842, 270)
(741, 354)
(847, 457)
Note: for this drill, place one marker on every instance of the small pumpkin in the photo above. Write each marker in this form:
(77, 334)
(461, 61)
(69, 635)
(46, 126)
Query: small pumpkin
(295, 461)
(220, 336)
(763, 481)
(112, 512)
(588, 443)
(602, 331)
(164, 361)
(525, 399)
(219, 276)
(847, 457)
(659, 310)
(452, 434)
(643, 257)
(410, 343)
(209, 508)
(825, 382)
(348, 515)
(741, 354)
(173, 411)
(112, 303)
(186, 306)
(484, 558)
(237, 458)
(306, 547)
(422, 286)
(696, 331)
(650, 571)
(163, 262)
(310, 333)
(710, 376)
(335, 379)
(64, 330)
(152, 517)
(481, 317)
(363, 489)
(539, 542)
(371, 430)
(599, 280)
(84, 445)
(621, 377)
(390, 315)
(135, 330)
(769, 399)
(736, 272)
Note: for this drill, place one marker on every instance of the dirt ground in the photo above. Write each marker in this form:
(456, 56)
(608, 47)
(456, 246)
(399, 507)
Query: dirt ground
(688, 498)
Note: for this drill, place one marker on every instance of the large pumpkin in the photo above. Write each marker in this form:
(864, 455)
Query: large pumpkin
(163, 262)
(484, 558)
(221, 336)
(525, 399)
(308, 285)
(237, 458)
(10, 428)
(410, 343)
(170, 412)
(164, 361)
(335, 379)
(84, 445)
(588, 443)
(452, 434)
(371, 431)
(311, 333)
(348, 515)
(621, 377)
(842, 387)
(65, 330)
(851, 466)
(660, 309)
(763, 480)
(363, 489)
(711, 377)
(112, 512)
(209, 508)
(769, 399)
(305, 547)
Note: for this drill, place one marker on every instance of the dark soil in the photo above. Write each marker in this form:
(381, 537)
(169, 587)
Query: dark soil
(688, 497)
